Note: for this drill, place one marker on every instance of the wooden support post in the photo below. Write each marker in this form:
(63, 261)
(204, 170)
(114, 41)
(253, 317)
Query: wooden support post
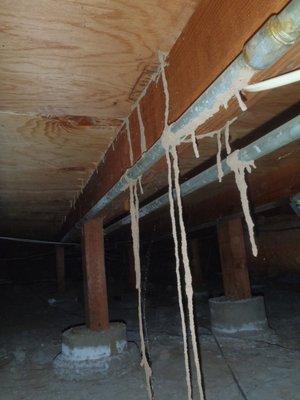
(233, 259)
(131, 269)
(96, 304)
(196, 263)
(60, 268)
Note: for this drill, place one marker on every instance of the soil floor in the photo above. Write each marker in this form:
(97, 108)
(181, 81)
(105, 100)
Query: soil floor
(256, 367)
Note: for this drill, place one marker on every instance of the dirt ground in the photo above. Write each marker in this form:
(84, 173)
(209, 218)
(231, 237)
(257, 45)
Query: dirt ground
(263, 367)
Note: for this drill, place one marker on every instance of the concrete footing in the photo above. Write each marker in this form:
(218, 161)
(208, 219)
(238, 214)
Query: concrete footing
(238, 316)
(90, 354)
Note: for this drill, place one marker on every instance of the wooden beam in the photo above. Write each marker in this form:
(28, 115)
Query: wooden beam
(96, 304)
(213, 37)
(234, 259)
(60, 268)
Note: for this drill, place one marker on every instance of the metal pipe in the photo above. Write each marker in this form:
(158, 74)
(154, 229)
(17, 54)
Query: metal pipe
(14, 239)
(256, 55)
(275, 38)
(147, 160)
(260, 52)
(214, 222)
(272, 141)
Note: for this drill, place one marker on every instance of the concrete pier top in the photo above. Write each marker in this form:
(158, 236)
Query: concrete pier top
(81, 343)
(86, 353)
(230, 316)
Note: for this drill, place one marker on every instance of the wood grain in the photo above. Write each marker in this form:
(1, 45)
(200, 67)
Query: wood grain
(44, 162)
(83, 58)
(69, 70)
(234, 259)
(95, 290)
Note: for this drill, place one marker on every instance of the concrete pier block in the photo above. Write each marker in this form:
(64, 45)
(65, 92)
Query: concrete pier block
(238, 316)
(89, 354)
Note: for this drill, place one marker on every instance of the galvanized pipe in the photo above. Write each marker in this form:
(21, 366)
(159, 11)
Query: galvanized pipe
(36, 241)
(273, 40)
(272, 141)
(261, 51)
(266, 47)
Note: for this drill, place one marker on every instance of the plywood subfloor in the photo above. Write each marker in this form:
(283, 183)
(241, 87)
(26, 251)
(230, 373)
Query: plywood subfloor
(83, 58)
(44, 161)
(69, 71)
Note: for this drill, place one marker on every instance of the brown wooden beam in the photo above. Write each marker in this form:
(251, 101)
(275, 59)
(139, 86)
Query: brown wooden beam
(60, 268)
(213, 37)
(234, 259)
(96, 304)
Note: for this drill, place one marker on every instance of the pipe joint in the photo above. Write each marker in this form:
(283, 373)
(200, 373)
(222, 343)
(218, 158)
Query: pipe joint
(284, 32)
(274, 39)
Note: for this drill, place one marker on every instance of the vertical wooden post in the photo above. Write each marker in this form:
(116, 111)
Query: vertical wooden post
(60, 268)
(196, 263)
(96, 305)
(233, 259)
(131, 269)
